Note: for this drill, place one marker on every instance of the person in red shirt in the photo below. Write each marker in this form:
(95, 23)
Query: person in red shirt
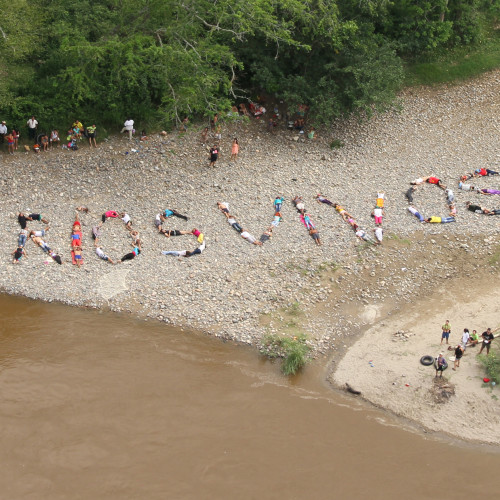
(435, 180)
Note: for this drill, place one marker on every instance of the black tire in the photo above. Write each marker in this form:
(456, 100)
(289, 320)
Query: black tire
(427, 360)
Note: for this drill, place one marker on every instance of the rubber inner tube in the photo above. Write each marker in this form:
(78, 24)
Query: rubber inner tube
(427, 360)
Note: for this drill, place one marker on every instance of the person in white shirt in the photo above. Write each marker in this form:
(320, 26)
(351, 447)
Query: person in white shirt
(32, 124)
(129, 127)
(379, 235)
(3, 132)
(378, 213)
(127, 220)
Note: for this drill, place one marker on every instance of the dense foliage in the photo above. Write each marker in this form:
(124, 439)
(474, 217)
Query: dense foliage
(158, 60)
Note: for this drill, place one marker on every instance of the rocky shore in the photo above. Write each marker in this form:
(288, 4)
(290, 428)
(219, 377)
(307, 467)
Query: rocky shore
(239, 291)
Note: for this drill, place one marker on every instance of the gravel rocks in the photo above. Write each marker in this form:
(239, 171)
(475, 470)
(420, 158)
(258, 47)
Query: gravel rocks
(224, 291)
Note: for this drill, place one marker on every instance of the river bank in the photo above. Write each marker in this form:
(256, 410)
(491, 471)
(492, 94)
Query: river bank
(238, 291)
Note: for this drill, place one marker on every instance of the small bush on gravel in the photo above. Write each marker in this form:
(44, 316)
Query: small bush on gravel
(336, 144)
(293, 351)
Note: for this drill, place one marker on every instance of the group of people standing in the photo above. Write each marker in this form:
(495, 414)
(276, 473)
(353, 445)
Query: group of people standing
(467, 340)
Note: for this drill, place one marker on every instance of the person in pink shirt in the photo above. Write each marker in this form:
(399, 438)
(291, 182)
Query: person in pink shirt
(110, 214)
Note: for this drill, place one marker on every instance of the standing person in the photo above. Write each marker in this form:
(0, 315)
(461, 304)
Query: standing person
(459, 352)
(16, 134)
(465, 338)
(235, 149)
(446, 328)
(91, 134)
(487, 338)
(10, 143)
(213, 122)
(32, 125)
(3, 132)
(214, 155)
(440, 364)
(204, 135)
(129, 127)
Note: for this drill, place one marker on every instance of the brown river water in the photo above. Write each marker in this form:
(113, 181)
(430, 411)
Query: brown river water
(101, 406)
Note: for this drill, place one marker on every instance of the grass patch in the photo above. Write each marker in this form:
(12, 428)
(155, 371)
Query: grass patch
(398, 238)
(292, 351)
(294, 309)
(491, 364)
(457, 64)
(495, 258)
(336, 144)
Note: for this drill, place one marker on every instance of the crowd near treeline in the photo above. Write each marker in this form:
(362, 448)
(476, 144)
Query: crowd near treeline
(160, 60)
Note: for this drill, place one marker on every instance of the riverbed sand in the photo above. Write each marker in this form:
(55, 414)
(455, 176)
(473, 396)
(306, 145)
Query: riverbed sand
(385, 366)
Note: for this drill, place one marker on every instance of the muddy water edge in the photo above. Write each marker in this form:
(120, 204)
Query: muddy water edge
(97, 405)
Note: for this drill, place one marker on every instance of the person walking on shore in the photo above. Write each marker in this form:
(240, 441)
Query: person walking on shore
(128, 126)
(446, 328)
(32, 125)
(214, 155)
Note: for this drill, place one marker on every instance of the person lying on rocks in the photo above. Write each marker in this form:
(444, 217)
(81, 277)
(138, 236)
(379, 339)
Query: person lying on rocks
(276, 219)
(38, 241)
(77, 252)
(363, 235)
(409, 194)
(466, 187)
(135, 238)
(170, 212)
(197, 251)
(453, 210)
(198, 235)
(322, 199)
(110, 214)
(379, 235)
(23, 236)
(82, 209)
(419, 181)
(495, 211)
(308, 222)
(342, 211)
(102, 255)
(378, 214)
(54, 256)
(315, 236)
(380, 200)
(278, 201)
(23, 219)
(132, 255)
(38, 217)
(247, 236)
(18, 254)
(439, 220)
(234, 224)
(466, 177)
(223, 207)
(159, 220)
(450, 197)
(479, 172)
(266, 235)
(417, 214)
(489, 191)
(174, 232)
(97, 233)
(126, 220)
(436, 181)
(299, 204)
(40, 233)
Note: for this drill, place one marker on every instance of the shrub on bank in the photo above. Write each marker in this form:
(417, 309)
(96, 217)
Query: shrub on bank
(292, 350)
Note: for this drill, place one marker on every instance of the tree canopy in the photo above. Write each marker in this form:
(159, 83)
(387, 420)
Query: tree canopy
(159, 60)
